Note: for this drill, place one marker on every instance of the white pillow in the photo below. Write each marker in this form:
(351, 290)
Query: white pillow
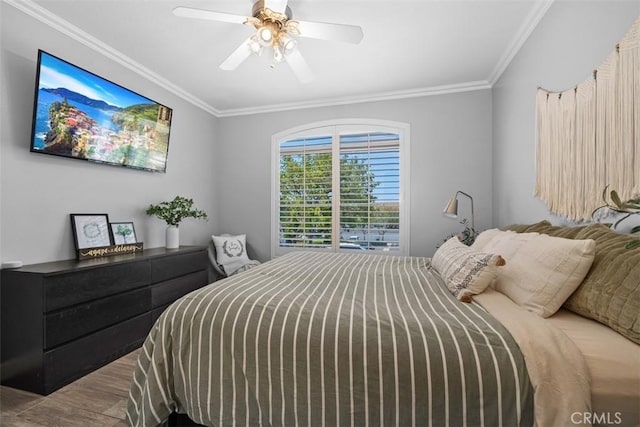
(465, 271)
(483, 238)
(231, 253)
(542, 271)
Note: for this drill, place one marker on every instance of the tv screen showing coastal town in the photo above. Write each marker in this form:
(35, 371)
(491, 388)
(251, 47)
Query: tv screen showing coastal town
(81, 115)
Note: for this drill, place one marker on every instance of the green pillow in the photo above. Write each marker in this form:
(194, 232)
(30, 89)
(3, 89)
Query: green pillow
(610, 293)
(545, 227)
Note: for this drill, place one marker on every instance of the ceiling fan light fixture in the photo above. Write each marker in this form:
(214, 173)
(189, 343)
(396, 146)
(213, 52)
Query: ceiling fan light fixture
(287, 43)
(264, 36)
(255, 46)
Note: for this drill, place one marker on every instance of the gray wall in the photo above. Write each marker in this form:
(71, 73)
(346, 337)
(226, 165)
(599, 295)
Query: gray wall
(450, 150)
(458, 142)
(571, 40)
(38, 192)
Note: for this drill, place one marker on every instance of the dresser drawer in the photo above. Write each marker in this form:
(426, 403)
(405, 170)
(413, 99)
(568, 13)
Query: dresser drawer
(68, 289)
(169, 267)
(170, 290)
(71, 323)
(71, 361)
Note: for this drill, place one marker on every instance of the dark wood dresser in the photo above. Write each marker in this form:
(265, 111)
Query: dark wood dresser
(61, 320)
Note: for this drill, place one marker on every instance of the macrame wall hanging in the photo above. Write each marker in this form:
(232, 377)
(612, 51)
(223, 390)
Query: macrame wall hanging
(589, 136)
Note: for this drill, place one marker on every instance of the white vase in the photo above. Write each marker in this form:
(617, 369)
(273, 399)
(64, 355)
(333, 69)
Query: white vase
(173, 237)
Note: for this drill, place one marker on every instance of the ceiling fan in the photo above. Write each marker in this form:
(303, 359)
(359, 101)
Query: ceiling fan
(276, 30)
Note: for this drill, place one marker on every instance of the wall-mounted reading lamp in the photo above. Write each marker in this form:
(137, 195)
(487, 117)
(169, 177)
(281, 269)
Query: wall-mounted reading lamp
(452, 208)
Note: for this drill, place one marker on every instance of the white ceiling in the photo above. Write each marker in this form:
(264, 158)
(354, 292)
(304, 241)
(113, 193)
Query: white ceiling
(410, 48)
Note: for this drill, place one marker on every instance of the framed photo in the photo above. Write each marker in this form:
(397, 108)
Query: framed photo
(123, 233)
(91, 230)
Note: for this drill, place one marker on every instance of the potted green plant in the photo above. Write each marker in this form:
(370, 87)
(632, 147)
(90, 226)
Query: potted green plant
(628, 208)
(466, 236)
(173, 213)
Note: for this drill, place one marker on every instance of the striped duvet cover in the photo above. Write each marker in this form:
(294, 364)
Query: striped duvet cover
(331, 339)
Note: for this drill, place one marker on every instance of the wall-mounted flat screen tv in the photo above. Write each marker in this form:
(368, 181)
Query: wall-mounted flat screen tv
(80, 115)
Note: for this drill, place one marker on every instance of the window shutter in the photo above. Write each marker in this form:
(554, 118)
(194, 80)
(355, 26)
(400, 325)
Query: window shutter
(370, 190)
(305, 192)
(341, 187)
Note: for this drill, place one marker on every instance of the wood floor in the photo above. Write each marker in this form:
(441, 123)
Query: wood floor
(97, 399)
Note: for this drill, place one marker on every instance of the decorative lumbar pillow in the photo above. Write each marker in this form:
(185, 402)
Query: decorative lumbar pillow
(465, 271)
(542, 271)
(231, 253)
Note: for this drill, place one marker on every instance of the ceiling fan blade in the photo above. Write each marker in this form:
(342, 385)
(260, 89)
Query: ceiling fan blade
(299, 66)
(325, 31)
(276, 5)
(189, 12)
(238, 56)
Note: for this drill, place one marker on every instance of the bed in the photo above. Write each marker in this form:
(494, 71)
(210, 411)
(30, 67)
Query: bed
(362, 339)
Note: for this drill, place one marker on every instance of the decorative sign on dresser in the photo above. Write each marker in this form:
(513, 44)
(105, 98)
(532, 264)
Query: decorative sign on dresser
(61, 320)
(111, 250)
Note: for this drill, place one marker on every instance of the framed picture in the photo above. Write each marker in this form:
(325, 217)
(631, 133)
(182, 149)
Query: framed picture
(123, 233)
(91, 230)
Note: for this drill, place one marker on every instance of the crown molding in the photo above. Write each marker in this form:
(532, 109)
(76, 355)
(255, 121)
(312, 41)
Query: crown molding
(65, 27)
(535, 15)
(383, 96)
(532, 20)
(43, 15)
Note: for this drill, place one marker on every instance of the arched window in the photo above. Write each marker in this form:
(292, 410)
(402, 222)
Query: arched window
(341, 186)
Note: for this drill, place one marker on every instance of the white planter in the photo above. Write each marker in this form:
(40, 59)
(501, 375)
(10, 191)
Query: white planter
(627, 224)
(173, 237)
